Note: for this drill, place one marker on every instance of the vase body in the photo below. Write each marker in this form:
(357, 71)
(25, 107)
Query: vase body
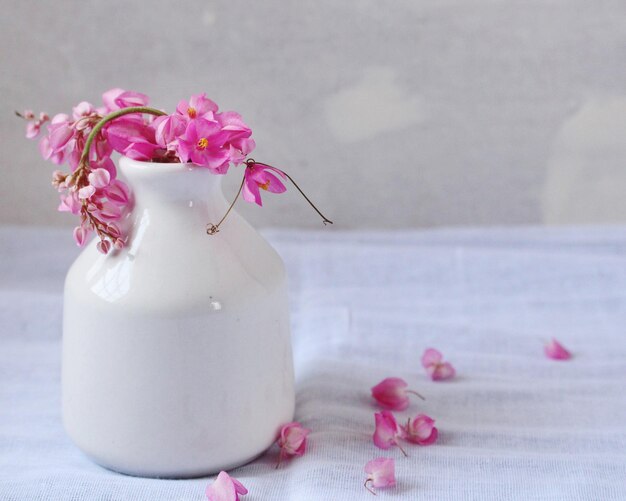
(176, 349)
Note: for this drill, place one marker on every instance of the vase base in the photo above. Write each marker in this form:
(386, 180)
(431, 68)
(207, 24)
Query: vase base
(174, 474)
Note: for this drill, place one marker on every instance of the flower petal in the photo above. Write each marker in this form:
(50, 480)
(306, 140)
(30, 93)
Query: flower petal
(430, 357)
(556, 351)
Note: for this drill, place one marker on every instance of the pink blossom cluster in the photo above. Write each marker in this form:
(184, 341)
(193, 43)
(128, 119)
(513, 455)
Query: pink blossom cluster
(195, 133)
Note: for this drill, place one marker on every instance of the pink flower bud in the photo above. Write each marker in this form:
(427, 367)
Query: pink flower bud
(420, 430)
(104, 246)
(86, 192)
(82, 109)
(225, 488)
(380, 473)
(58, 179)
(32, 130)
(28, 114)
(119, 244)
(556, 351)
(43, 117)
(99, 178)
(80, 235)
(113, 230)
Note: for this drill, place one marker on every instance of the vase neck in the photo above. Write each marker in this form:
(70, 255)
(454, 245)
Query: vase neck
(172, 199)
(169, 183)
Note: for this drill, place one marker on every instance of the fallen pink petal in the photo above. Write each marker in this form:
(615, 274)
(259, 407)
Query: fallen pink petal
(292, 440)
(387, 433)
(556, 351)
(380, 474)
(225, 488)
(436, 368)
(420, 430)
(392, 393)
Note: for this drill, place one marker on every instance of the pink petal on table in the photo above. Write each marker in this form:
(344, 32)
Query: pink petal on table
(420, 430)
(435, 368)
(442, 372)
(387, 432)
(391, 393)
(556, 351)
(292, 440)
(225, 488)
(430, 357)
(380, 473)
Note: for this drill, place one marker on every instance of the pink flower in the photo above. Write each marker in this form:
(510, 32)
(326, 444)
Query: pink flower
(292, 440)
(225, 488)
(132, 138)
(202, 144)
(420, 430)
(115, 99)
(84, 115)
(168, 128)
(436, 369)
(239, 141)
(104, 246)
(198, 106)
(118, 193)
(391, 393)
(387, 433)
(259, 176)
(81, 234)
(60, 131)
(380, 473)
(556, 351)
(33, 127)
(56, 157)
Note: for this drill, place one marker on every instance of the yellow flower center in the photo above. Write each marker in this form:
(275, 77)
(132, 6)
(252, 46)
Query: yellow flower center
(265, 185)
(191, 112)
(203, 142)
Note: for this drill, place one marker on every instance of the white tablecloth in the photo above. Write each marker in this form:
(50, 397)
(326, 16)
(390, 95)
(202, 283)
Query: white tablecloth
(513, 424)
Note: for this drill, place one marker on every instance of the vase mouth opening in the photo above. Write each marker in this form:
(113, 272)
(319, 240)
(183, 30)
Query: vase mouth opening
(132, 166)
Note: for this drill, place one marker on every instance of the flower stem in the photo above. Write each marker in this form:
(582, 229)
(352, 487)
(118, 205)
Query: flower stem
(415, 393)
(107, 118)
(325, 220)
(212, 229)
(368, 487)
(401, 449)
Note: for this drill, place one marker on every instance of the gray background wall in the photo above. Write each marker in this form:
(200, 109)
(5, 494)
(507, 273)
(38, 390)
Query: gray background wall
(391, 114)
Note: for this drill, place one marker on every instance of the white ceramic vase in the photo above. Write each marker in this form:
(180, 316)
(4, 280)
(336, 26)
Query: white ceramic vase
(176, 350)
